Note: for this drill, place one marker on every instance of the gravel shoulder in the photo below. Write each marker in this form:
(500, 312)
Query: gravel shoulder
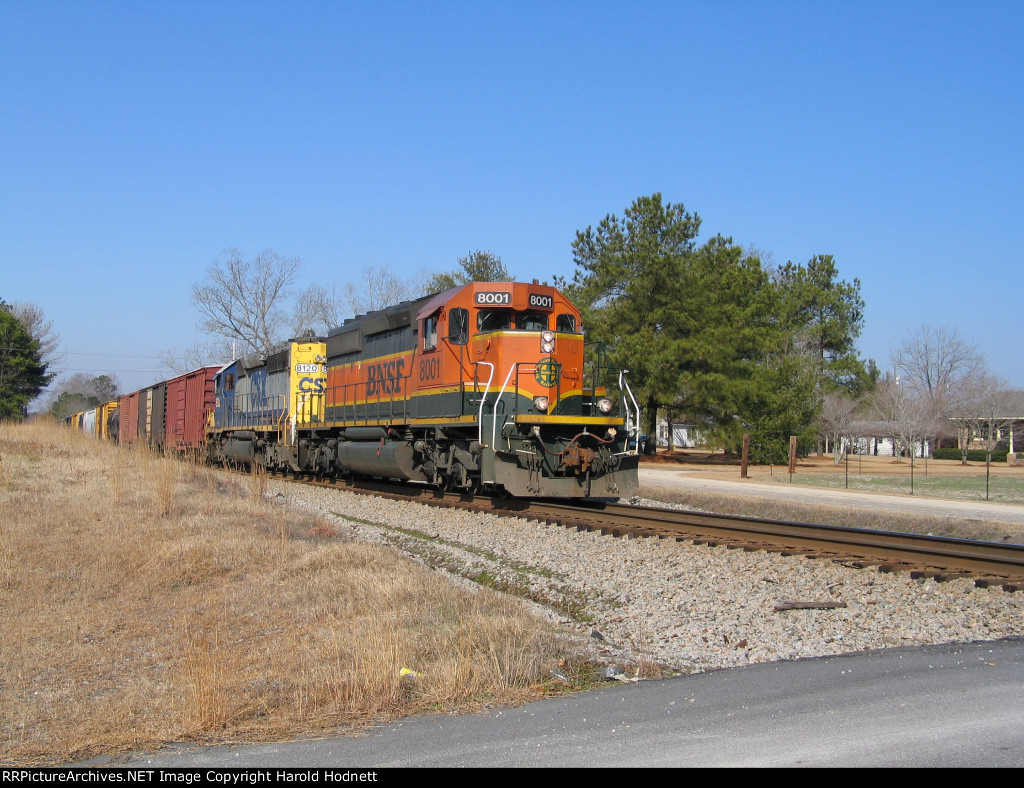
(652, 607)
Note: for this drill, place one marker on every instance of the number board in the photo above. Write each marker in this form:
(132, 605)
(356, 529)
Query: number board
(494, 298)
(538, 301)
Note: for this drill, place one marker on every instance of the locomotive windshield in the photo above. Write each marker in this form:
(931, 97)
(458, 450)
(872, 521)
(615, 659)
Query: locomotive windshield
(531, 321)
(493, 319)
(505, 319)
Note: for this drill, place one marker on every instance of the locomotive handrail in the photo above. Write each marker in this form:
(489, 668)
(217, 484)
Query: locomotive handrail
(397, 403)
(281, 429)
(624, 386)
(515, 410)
(317, 408)
(483, 399)
(494, 421)
(244, 414)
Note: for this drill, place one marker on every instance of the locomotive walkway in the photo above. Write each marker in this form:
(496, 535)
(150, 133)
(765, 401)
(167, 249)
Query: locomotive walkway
(659, 476)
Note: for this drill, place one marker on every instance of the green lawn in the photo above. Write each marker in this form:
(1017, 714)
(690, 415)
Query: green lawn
(1005, 490)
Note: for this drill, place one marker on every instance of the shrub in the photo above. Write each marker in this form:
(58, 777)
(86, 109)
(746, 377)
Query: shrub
(973, 455)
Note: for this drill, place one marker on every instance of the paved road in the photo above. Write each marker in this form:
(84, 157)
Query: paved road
(941, 507)
(951, 706)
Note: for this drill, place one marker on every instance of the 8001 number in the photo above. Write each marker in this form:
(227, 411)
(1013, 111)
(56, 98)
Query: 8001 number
(493, 298)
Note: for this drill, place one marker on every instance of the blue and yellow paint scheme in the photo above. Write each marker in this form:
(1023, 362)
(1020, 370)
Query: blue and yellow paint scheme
(260, 400)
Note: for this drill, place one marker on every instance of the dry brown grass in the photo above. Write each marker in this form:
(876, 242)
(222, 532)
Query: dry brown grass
(146, 600)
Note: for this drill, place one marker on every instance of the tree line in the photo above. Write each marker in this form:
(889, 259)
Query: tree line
(713, 334)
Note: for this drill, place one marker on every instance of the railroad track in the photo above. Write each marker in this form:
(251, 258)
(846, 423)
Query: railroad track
(938, 557)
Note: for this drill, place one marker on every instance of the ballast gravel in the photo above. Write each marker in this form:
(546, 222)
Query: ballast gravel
(650, 605)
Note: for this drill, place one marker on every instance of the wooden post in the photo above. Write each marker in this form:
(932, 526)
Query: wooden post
(746, 455)
(792, 456)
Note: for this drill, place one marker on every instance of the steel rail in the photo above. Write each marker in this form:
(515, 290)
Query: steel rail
(940, 552)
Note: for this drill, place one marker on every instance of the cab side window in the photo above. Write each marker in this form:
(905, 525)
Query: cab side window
(430, 331)
(458, 326)
(566, 324)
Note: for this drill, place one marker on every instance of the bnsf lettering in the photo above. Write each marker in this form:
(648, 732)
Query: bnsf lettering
(384, 378)
(430, 368)
(542, 301)
(494, 299)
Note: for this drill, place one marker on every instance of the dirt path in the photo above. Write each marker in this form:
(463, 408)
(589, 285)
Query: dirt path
(715, 473)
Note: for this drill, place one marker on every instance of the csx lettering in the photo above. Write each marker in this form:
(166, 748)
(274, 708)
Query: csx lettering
(316, 385)
(494, 299)
(384, 378)
(542, 301)
(429, 368)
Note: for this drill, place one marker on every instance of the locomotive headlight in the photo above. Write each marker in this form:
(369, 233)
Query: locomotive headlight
(541, 404)
(604, 405)
(547, 341)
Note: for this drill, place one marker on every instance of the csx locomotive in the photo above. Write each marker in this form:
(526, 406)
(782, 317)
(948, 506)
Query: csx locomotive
(479, 387)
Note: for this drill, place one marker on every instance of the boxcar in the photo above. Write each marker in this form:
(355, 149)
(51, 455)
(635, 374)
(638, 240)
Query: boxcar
(189, 400)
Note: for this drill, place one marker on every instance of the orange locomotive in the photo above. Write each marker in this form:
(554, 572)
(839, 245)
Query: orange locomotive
(480, 386)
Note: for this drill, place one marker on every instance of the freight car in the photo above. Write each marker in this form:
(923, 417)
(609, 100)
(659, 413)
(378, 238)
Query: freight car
(189, 399)
(101, 422)
(143, 415)
(171, 415)
(478, 387)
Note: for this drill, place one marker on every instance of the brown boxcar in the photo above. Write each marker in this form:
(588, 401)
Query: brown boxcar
(190, 398)
(129, 430)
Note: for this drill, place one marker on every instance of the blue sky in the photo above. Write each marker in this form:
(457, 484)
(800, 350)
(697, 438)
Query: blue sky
(140, 139)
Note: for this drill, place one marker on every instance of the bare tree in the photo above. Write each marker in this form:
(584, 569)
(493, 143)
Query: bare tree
(240, 299)
(836, 422)
(988, 409)
(379, 288)
(198, 354)
(937, 365)
(908, 417)
(32, 318)
(317, 311)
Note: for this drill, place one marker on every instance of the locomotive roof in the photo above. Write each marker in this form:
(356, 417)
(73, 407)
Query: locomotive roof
(441, 298)
(397, 316)
(254, 360)
(403, 314)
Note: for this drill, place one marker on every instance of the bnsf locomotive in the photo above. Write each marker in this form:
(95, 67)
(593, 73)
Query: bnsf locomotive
(479, 387)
